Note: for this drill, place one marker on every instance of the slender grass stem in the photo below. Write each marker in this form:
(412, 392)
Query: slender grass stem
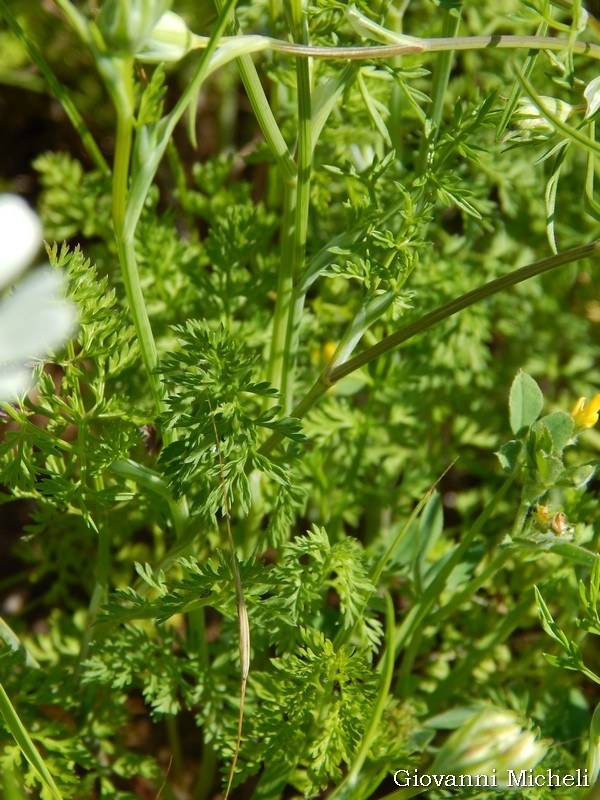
(262, 108)
(57, 89)
(26, 745)
(331, 376)
(294, 233)
(414, 45)
(285, 286)
(441, 78)
(300, 230)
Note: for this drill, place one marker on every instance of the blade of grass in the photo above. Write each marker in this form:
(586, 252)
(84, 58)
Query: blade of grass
(27, 747)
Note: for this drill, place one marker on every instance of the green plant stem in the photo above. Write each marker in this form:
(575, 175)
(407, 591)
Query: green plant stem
(58, 90)
(118, 75)
(331, 376)
(98, 595)
(288, 305)
(344, 635)
(473, 586)
(262, 108)
(27, 747)
(162, 132)
(441, 78)
(415, 45)
(285, 286)
(175, 746)
(516, 92)
(464, 301)
(305, 149)
(204, 787)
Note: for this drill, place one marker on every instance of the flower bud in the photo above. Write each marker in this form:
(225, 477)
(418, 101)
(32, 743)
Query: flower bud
(169, 41)
(125, 25)
(592, 97)
(530, 123)
(586, 414)
(490, 743)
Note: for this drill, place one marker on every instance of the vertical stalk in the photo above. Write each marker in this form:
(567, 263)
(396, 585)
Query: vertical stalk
(99, 593)
(441, 78)
(260, 105)
(122, 96)
(285, 287)
(295, 227)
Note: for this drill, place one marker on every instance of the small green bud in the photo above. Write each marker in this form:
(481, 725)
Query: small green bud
(529, 122)
(169, 41)
(490, 743)
(125, 25)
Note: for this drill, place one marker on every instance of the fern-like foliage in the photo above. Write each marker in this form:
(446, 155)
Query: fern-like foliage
(213, 388)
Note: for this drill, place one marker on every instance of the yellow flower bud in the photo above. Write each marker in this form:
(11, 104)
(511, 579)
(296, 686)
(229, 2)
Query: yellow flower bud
(329, 349)
(586, 416)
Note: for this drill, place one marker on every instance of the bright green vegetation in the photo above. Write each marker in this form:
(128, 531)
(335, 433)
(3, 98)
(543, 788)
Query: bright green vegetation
(412, 504)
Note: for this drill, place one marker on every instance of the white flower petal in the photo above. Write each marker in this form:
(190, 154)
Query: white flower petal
(35, 319)
(592, 96)
(14, 382)
(20, 236)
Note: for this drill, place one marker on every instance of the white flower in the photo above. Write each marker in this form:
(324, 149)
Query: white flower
(490, 740)
(592, 97)
(35, 318)
(170, 40)
(20, 236)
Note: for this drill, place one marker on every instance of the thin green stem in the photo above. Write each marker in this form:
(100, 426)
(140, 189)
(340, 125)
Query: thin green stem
(76, 19)
(413, 45)
(57, 89)
(175, 746)
(99, 593)
(464, 301)
(285, 285)
(441, 78)
(262, 108)
(288, 306)
(161, 133)
(473, 586)
(27, 747)
(330, 376)
(139, 314)
(204, 788)
(516, 92)
(118, 74)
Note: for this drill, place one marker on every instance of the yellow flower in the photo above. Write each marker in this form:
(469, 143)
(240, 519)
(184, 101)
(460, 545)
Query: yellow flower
(586, 416)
